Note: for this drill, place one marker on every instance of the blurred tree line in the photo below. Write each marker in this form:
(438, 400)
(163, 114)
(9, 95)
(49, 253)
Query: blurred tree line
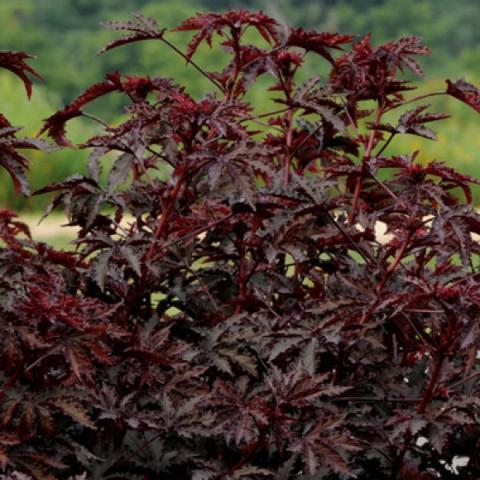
(65, 35)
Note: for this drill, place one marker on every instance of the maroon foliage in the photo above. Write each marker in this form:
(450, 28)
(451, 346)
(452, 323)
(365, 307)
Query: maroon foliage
(141, 29)
(466, 92)
(15, 62)
(10, 157)
(231, 310)
(318, 42)
(235, 22)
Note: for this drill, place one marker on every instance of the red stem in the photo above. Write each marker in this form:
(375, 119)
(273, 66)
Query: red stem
(397, 464)
(289, 136)
(165, 214)
(463, 380)
(356, 195)
(241, 279)
(236, 34)
(191, 62)
(428, 395)
(399, 255)
(288, 161)
(366, 158)
(416, 99)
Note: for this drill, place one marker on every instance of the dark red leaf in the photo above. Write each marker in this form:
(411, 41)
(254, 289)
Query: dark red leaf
(465, 92)
(142, 28)
(209, 24)
(16, 63)
(320, 43)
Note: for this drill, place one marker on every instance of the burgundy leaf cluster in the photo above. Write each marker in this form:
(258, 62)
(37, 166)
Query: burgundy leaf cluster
(252, 295)
(11, 159)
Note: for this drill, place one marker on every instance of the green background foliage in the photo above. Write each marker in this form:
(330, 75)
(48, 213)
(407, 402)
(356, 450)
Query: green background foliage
(65, 36)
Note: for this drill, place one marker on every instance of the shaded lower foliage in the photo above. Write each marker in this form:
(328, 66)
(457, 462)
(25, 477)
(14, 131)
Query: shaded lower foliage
(244, 319)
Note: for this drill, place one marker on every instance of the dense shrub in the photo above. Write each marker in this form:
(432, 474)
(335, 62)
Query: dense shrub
(244, 318)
